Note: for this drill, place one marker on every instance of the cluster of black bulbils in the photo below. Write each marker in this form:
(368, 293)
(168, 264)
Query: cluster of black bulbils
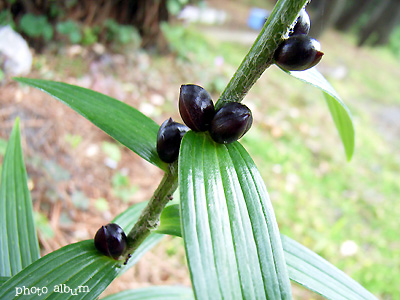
(226, 125)
(299, 52)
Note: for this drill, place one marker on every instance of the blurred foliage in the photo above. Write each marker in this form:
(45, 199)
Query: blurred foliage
(36, 27)
(90, 35)
(122, 187)
(112, 150)
(394, 43)
(86, 22)
(6, 18)
(175, 6)
(39, 28)
(73, 140)
(52, 175)
(113, 33)
(43, 225)
(189, 46)
(70, 29)
(101, 204)
(55, 171)
(184, 44)
(122, 34)
(80, 200)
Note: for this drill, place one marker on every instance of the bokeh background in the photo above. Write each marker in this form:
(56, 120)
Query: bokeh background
(140, 52)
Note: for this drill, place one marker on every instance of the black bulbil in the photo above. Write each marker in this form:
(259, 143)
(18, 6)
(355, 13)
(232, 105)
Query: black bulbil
(230, 123)
(298, 53)
(196, 107)
(110, 240)
(169, 139)
(302, 25)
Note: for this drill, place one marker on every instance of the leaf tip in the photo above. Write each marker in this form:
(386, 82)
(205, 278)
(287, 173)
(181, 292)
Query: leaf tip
(349, 154)
(15, 126)
(18, 79)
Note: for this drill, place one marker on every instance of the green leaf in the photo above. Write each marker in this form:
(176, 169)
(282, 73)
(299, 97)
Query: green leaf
(340, 112)
(170, 221)
(3, 147)
(154, 293)
(18, 240)
(171, 218)
(229, 228)
(78, 266)
(122, 122)
(305, 267)
(316, 274)
(3, 279)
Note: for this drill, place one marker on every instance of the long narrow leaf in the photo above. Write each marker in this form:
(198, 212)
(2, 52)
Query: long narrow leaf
(229, 229)
(316, 274)
(154, 293)
(340, 112)
(305, 267)
(3, 279)
(122, 122)
(18, 240)
(79, 267)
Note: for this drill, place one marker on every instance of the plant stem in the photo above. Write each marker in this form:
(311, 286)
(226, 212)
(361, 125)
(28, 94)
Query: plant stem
(260, 55)
(150, 217)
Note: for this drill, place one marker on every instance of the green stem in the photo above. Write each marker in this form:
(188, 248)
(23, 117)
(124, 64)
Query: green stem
(261, 54)
(150, 216)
